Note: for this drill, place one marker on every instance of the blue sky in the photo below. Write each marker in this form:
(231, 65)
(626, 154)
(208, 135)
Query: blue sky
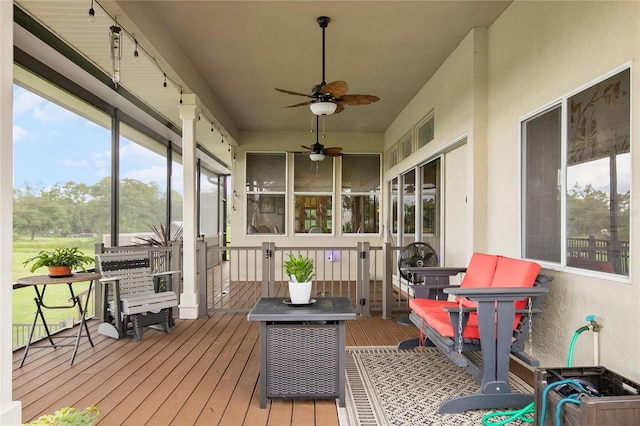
(54, 145)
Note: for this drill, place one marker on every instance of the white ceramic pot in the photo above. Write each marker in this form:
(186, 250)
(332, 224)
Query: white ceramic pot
(300, 293)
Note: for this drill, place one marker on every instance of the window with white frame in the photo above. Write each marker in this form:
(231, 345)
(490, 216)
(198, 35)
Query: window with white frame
(576, 182)
(313, 194)
(265, 187)
(360, 193)
(392, 156)
(406, 146)
(426, 131)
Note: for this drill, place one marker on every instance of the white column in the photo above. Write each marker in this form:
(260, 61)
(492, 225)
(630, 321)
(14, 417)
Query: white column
(189, 295)
(10, 411)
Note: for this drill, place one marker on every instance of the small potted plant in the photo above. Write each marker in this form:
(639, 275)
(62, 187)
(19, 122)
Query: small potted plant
(300, 271)
(60, 261)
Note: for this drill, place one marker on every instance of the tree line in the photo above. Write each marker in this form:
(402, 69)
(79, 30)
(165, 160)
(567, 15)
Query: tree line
(72, 208)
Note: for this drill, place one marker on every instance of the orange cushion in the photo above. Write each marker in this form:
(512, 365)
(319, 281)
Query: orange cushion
(442, 324)
(515, 273)
(423, 307)
(480, 273)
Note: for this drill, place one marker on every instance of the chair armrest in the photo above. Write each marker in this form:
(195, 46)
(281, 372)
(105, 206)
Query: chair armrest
(109, 279)
(159, 274)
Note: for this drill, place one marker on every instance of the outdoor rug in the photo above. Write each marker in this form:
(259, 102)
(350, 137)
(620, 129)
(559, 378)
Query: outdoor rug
(387, 386)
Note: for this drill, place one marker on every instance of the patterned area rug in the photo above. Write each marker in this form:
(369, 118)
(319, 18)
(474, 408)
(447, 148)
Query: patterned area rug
(387, 386)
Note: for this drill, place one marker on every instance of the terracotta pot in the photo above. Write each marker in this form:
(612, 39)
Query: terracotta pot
(59, 271)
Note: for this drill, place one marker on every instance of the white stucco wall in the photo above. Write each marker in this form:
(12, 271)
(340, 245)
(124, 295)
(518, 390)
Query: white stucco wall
(533, 54)
(539, 52)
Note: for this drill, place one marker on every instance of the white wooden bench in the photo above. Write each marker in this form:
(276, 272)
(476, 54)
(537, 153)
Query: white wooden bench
(127, 277)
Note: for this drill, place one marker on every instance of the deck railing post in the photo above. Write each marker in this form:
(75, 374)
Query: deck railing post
(387, 280)
(365, 263)
(268, 271)
(201, 266)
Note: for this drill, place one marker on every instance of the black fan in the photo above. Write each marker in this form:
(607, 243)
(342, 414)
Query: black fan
(416, 254)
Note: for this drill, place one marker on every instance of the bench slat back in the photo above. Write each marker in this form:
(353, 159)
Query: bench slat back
(133, 270)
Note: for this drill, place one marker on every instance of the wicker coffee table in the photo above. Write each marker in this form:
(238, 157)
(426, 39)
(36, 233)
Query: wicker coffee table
(302, 348)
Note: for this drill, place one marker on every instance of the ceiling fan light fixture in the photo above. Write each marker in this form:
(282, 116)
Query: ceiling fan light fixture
(323, 108)
(314, 156)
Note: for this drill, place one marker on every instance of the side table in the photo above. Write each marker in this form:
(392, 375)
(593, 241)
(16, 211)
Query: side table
(43, 281)
(302, 348)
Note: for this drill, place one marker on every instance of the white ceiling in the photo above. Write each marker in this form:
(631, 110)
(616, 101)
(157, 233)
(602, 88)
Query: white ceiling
(233, 54)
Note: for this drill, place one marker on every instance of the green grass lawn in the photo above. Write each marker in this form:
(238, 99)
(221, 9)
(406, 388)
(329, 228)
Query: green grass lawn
(24, 306)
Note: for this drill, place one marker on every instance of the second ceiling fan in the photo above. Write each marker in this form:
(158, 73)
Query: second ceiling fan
(328, 98)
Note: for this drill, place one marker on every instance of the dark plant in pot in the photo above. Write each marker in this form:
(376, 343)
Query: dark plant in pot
(60, 261)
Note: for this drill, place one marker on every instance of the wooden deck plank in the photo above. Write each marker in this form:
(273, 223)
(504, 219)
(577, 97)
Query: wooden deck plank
(224, 391)
(205, 372)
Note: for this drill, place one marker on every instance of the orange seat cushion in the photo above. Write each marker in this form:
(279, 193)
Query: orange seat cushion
(424, 307)
(480, 273)
(440, 322)
(515, 273)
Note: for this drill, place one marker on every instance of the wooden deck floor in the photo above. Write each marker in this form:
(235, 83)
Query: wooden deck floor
(205, 372)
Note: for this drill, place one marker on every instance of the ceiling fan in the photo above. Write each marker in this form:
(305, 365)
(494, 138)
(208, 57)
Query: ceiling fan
(328, 98)
(317, 151)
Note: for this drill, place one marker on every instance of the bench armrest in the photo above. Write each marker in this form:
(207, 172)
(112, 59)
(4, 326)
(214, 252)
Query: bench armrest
(501, 294)
(109, 279)
(433, 271)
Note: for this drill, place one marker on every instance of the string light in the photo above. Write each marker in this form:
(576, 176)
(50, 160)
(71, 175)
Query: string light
(138, 47)
(115, 41)
(136, 55)
(92, 14)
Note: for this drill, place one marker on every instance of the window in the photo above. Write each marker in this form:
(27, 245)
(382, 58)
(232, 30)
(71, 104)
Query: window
(592, 183)
(265, 188)
(210, 191)
(392, 156)
(143, 185)
(313, 189)
(406, 146)
(361, 193)
(426, 131)
(393, 207)
(430, 199)
(409, 207)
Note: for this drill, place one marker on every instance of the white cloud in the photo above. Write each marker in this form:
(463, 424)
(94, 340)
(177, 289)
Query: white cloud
(25, 101)
(134, 153)
(20, 134)
(155, 174)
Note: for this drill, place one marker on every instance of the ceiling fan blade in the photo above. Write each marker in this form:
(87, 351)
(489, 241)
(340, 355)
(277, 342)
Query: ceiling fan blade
(334, 151)
(297, 105)
(359, 99)
(336, 89)
(339, 108)
(306, 147)
(289, 92)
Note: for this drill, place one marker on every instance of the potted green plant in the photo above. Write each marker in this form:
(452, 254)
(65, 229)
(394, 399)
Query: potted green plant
(60, 261)
(301, 272)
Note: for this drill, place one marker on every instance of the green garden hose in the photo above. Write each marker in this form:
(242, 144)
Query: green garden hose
(526, 414)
